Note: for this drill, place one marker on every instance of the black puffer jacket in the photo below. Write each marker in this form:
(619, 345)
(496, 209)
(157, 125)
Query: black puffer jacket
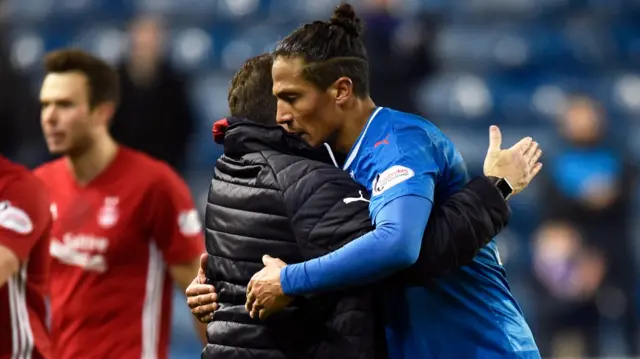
(263, 201)
(272, 194)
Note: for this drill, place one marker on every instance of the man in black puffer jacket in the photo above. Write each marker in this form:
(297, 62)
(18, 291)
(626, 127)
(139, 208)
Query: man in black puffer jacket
(272, 193)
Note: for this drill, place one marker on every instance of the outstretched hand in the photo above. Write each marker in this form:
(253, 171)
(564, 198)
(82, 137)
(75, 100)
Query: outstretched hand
(518, 165)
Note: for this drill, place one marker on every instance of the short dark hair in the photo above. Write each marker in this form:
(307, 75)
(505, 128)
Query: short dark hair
(331, 50)
(102, 80)
(250, 91)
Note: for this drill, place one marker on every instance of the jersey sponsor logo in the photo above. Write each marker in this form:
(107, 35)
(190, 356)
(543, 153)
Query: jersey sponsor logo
(348, 200)
(382, 142)
(108, 215)
(391, 177)
(85, 242)
(14, 218)
(81, 250)
(189, 222)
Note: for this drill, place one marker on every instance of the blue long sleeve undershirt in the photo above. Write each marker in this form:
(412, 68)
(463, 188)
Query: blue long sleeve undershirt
(392, 246)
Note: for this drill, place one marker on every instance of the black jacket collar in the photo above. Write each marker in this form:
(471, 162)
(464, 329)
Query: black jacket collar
(241, 136)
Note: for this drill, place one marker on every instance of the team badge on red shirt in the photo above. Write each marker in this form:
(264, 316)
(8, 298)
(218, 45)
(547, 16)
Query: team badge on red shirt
(108, 214)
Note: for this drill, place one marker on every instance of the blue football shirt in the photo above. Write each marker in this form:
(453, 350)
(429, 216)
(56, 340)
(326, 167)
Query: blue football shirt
(469, 313)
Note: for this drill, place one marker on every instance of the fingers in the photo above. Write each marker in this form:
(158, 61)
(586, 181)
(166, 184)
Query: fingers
(534, 159)
(196, 280)
(531, 156)
(202, 299)
(523, 145)
(251, 306)
(204, 257)
(250, 286)
(264, 314)
(204, 310)
(201, 279)
(199, 289)
(269, 261)
(251, 298)
(266, 259)
(255, 312)
(205, 318)
(530, 151)
(203, 306)
(204, 313)
(534, 172)
(495, 139)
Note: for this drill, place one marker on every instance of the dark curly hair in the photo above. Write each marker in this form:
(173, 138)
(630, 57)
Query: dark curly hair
(331, 50)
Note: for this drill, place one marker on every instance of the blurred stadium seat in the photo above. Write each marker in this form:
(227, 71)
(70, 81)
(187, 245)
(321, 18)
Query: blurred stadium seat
(191, 48)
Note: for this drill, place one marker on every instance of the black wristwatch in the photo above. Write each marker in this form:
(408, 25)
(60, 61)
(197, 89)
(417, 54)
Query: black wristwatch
(503, 186)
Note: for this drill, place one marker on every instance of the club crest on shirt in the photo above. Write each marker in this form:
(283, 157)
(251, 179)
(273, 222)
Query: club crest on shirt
(189, 222)
(108, 214)
(389, 178)
(14, 218)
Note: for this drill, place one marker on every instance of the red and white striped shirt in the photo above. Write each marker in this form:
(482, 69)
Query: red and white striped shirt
(24, 229)
(112, 242)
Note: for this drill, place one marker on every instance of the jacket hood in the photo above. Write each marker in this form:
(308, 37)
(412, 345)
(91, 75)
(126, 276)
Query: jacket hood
(241, 136)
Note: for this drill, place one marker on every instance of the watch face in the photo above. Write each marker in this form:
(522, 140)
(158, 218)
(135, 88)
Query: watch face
(504, 187)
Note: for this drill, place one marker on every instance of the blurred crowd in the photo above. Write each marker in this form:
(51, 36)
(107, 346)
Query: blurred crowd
(563, 71)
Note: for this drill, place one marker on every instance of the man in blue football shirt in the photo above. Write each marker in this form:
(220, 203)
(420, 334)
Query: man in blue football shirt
(408, 165)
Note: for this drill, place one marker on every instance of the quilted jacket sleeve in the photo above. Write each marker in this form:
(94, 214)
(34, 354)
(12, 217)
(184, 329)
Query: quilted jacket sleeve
(458, 228)
(327, 209)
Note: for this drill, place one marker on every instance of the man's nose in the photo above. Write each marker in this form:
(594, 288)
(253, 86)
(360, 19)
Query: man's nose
(49, 116)
(283, 115)
(284, 118)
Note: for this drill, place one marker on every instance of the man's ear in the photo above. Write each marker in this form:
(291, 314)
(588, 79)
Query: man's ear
(105, 112)
(343, 90)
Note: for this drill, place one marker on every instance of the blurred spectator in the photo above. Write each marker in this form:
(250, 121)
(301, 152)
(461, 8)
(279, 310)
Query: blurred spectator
(20, 136)
(570, 273)
(588, 186)
(400, 55)
(154, 116)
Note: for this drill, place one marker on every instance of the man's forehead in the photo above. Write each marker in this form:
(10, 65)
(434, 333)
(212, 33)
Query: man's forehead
(288, 74)
(284, 67)
(282, 86)
(64, 84)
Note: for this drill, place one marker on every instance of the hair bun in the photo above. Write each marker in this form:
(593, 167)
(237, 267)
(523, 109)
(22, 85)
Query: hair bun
(345, 17)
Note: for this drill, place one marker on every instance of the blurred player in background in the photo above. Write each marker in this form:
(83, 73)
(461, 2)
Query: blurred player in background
(124, 224)
(25, 223)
